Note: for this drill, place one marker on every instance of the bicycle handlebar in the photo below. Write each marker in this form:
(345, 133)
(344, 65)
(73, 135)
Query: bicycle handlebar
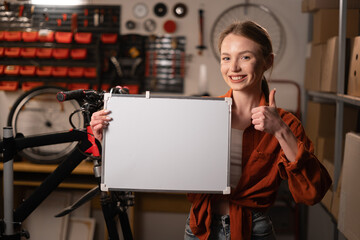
(88, 95)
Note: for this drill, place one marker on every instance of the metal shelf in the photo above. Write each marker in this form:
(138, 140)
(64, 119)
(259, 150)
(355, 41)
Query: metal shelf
(337, 97)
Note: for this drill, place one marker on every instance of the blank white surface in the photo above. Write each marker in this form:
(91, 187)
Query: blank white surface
(166, 144)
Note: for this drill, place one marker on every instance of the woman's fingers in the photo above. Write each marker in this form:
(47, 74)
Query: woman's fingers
(99, 121)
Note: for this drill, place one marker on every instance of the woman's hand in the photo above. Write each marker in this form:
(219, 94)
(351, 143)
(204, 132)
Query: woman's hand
(267, 118)
(99, 121)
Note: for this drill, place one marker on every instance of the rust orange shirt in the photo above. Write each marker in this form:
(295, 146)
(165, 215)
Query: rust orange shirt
(264, 167)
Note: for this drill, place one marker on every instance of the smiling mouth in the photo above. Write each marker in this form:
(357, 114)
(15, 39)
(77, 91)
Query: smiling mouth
(238, 78)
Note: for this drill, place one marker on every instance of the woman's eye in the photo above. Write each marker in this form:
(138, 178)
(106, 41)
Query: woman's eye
(245, 57)
(225, 58)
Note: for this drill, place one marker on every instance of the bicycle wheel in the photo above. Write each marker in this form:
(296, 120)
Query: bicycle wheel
(257, 13)
(38, 112)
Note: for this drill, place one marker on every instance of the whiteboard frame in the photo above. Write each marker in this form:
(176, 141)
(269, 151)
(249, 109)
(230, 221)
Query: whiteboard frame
(219, 122)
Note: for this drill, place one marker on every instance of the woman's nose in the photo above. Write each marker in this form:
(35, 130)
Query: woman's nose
(235, 66)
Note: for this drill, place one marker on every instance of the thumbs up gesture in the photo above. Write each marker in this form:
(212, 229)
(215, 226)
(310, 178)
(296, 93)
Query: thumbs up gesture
(267, 118)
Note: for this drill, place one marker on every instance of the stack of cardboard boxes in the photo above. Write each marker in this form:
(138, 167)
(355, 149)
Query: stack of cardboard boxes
(321, 76)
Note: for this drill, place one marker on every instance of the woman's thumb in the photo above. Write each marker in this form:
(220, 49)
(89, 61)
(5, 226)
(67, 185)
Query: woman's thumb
(272, 102)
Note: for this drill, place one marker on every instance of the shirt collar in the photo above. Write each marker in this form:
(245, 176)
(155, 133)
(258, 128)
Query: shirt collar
(262, 100)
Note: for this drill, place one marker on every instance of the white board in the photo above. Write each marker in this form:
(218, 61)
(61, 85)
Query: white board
(167, 144)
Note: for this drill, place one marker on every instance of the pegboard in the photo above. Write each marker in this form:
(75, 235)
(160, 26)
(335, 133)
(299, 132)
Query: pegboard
(85, 18)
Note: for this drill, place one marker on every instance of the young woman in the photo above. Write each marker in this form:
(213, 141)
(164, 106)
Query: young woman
(268, 145)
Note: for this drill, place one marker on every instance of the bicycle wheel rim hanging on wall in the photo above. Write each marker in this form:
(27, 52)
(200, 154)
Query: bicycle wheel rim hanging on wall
(254, 12)
(38, 112)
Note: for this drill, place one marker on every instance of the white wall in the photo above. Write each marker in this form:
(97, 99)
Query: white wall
(291, 66)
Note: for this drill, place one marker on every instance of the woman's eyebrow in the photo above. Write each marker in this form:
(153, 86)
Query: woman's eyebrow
(242, 52)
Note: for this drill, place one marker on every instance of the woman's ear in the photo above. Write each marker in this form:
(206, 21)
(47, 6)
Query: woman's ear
(269, 61)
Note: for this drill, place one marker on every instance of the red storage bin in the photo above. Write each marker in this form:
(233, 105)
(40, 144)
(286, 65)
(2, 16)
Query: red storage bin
(46, 36)
(12, 52)
(2, 50)
(90, 72)
(9, 85)
(109, 37)
(133, 89)
(12, 36)
(83, 37)
(59, 71)
(12, 70)
(61, 53)
(2, 35)
(76, 72)
(2, 69)
(76, 86)
(63, 37)
(104, 87)
(30, 36)
(60, 84)
(44, 52)
(28, 52)
(27, 70)
(78, 54)
(26, 86)
(44, 71)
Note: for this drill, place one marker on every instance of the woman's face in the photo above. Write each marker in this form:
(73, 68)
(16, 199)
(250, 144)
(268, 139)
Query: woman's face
(242, 63)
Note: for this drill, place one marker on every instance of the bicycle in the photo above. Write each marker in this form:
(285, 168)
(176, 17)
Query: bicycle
(112, 203)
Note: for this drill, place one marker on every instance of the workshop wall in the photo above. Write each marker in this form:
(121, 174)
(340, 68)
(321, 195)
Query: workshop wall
(290, 66)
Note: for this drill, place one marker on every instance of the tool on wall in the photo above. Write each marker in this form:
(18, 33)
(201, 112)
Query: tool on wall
(201, 45)
(96, 17)
(180, 10)
(140, 10)
(149, 25)
(130, 25)
(160, 9)
(74, 22)
(21, 10)
(165, 68)
(170, 26)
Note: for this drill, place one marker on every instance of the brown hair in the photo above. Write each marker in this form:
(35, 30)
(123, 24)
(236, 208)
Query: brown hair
(255, 32)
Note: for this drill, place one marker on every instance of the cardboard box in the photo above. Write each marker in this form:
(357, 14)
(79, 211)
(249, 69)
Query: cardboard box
(325, 149)
(313, 68)
(313, 5)
(328, 198)
(320, 120)
(326, 24)
(354, 71)
(329, 71)
(349, 209)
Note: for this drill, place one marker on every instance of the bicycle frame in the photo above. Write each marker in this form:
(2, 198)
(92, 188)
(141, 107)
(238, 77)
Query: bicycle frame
(86, 144)
(12, 145)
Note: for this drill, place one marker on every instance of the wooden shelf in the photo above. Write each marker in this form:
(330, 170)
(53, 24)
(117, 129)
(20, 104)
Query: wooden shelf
(32, 175)
(84, 168)
(61, 185)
